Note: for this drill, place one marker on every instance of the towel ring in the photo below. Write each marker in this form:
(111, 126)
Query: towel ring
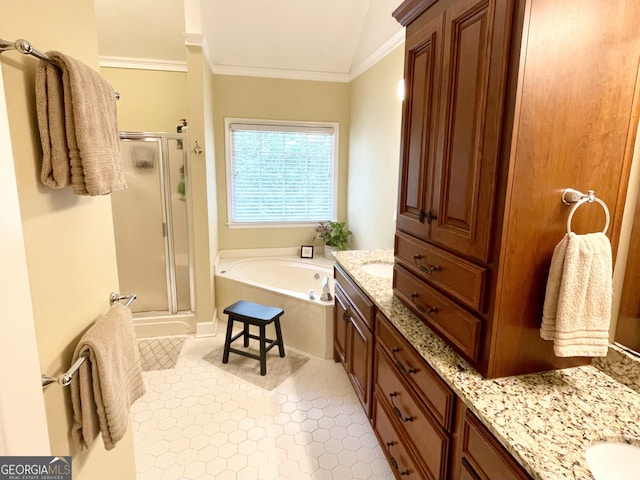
(577, 198)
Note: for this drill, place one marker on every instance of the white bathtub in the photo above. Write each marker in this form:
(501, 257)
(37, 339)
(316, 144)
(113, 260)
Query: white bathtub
(278, 277)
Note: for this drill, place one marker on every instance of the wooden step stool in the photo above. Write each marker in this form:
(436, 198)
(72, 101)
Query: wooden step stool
(250, 313)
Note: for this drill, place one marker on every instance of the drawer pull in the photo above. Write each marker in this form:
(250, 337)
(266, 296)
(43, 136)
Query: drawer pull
(346, 314)
(397, 411)
(428, 310)
(428, 269)
(399, 364)
(394, 462)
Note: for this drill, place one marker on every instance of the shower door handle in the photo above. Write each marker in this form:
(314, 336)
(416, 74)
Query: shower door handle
(164, 229)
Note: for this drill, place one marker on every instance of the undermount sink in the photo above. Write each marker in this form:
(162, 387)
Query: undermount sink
(614, 461)
(378, 269)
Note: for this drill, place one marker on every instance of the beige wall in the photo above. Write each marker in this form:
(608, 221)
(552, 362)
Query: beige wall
(198, 72)
(276, 99)
(151, 100)
(374, 151)
(69, 240)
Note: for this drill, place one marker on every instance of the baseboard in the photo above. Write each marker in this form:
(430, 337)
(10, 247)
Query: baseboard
(208, 329)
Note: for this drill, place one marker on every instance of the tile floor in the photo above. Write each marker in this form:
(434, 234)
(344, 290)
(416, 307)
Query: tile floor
(199, 422)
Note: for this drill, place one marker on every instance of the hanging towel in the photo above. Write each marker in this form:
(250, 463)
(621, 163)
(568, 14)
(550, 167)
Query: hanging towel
(76, 110)
(108, 382)
(577, 307)
(550, 307)
(56, 169)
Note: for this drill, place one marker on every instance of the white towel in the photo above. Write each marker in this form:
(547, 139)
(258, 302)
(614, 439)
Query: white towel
(108, 382)
(577, 307)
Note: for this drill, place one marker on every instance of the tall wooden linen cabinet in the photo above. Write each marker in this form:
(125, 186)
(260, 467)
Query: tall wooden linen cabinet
(508, 103)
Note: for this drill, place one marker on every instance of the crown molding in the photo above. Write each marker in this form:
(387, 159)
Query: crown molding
(143, 64)
(379, 54)
(280, 73)
(196, 39)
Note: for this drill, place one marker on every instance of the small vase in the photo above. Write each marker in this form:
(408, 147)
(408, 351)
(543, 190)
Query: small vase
(328, 252)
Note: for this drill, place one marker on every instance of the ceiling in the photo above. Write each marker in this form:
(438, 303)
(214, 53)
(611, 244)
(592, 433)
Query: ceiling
(331, 40)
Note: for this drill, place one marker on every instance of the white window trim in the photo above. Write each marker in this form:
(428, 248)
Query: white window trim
(291, 123)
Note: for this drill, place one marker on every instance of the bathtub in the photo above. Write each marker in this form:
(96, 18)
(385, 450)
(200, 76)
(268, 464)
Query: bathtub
(280, 278)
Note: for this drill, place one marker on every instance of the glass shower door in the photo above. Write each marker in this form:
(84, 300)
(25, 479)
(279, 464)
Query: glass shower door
(151, 225)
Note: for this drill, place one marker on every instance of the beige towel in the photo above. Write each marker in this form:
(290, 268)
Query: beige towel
(577, 308)
(78, 126)
(550, 308)
(56, 169)
(108, 382)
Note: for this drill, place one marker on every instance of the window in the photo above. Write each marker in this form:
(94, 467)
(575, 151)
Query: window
(280, 173)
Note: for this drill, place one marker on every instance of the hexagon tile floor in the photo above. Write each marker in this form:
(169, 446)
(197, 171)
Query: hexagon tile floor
(198, 422)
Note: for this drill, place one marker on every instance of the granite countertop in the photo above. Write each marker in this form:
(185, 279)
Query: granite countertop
(545, 420)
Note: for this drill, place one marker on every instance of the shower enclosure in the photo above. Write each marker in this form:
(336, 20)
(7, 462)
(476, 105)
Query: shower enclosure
(151, 221)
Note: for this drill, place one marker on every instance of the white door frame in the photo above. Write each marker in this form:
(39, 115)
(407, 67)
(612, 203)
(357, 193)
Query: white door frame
(23, 423)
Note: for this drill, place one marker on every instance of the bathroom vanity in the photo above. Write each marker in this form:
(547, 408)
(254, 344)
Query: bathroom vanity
(436, 417)
(508, 103)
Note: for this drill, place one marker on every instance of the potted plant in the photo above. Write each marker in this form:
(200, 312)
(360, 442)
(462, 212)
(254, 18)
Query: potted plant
(334, 235)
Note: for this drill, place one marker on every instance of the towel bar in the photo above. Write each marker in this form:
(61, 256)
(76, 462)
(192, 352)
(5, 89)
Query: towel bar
(24, 46)
(116, 297)
(66, 377)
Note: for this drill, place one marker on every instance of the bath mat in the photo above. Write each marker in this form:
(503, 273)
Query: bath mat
(248, 369)
(160, 353)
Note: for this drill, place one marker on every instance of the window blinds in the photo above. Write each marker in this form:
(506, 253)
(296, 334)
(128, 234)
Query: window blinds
(281, 173)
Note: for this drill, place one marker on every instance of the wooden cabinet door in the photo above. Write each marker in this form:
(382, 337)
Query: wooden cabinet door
(479, 455)
(422, 77)
(340, 321)
(471, 98)
(360, 359)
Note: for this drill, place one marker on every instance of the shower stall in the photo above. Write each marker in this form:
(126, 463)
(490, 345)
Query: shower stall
(152, 225)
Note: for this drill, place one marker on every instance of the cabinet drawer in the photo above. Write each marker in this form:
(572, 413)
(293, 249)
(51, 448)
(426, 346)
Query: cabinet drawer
(456, 325)
(401, 462)
(359, 300)
(467, 473)
(430, 441)
(486, 456)
(414, 369)
(455, 276)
